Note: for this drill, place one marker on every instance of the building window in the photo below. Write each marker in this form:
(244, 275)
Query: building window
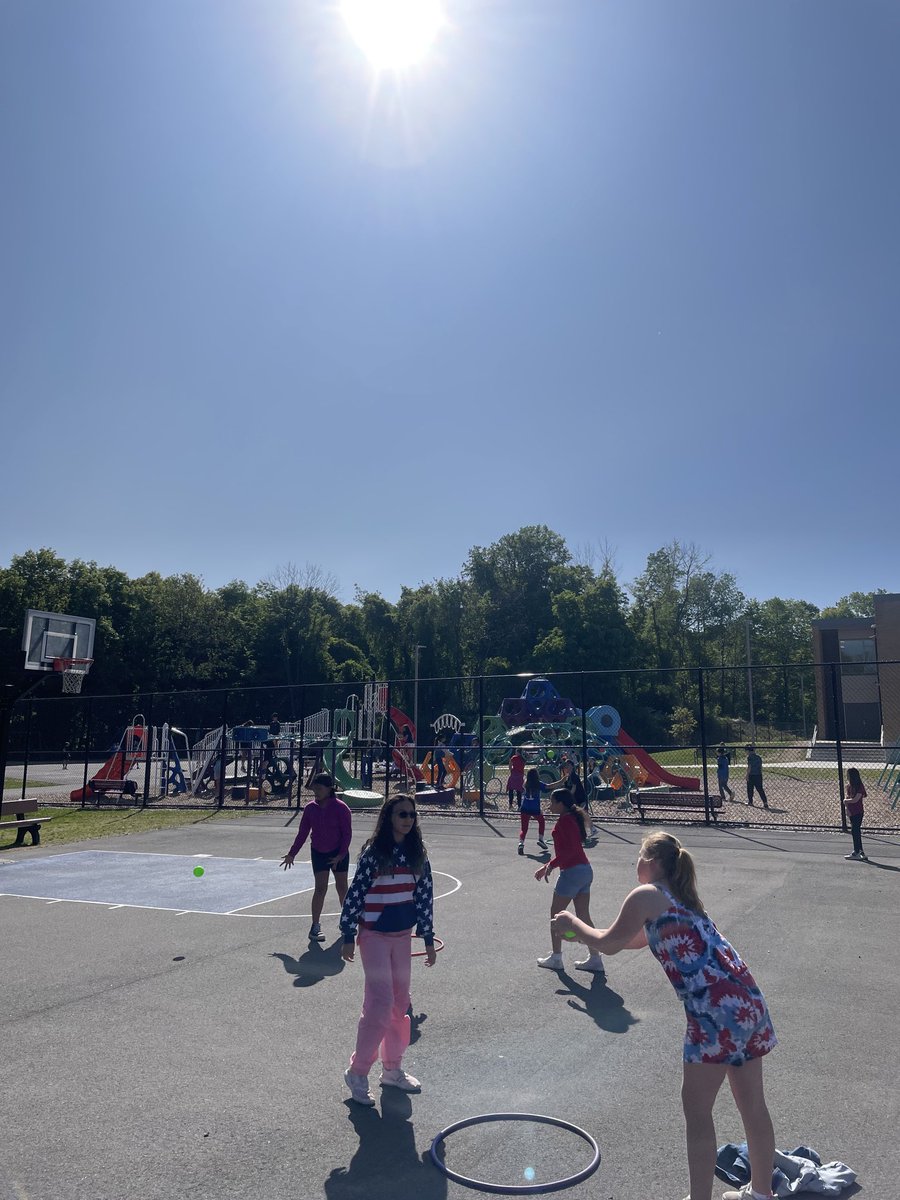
(858, 656)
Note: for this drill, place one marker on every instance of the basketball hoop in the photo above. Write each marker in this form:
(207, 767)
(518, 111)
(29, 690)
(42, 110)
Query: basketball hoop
(73, 671)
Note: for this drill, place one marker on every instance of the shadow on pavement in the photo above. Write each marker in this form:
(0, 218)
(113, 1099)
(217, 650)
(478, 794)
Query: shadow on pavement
(605, 1007)
(313, 966)
(387, 1161)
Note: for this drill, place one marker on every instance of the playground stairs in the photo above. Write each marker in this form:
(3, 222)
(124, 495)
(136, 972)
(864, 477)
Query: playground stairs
(852, 752)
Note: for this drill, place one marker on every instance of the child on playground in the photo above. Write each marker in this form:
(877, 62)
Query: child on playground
(722, 766)
(531, 807)
(326, 821)
(392, 892)
(728, 1025)
(516, 780)
(856, 794)
(575, 878)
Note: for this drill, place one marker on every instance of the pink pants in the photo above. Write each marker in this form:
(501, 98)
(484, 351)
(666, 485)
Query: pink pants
(384, 1024)
(526, 817)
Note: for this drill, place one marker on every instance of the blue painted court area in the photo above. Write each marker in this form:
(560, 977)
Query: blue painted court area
(155, 880)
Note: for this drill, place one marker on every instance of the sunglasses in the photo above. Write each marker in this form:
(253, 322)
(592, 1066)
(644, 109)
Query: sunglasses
(404, 814)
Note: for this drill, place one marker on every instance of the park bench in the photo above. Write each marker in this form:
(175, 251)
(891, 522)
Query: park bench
(654, 801)
(121, 787)
(23, 824)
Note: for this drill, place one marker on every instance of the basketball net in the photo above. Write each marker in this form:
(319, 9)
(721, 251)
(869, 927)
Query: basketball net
(73, 671)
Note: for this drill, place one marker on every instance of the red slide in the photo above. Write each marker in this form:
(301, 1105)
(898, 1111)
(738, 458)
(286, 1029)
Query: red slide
(658, 774)
(404, 760)
(118, 765)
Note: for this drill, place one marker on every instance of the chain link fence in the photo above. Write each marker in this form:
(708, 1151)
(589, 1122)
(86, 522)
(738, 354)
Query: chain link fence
(765, 746)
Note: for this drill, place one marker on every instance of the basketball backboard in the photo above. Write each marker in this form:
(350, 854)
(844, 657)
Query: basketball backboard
(50, 636)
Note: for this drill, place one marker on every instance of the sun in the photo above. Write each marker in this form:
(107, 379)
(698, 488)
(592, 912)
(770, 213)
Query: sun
(393, 33)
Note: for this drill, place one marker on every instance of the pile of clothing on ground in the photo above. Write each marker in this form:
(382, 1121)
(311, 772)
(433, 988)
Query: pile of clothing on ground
(798, 1170)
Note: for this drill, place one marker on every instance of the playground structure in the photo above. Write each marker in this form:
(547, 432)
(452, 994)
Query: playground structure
(368, 743)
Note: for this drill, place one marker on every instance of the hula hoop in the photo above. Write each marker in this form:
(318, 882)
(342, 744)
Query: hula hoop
(532, 1189)
(438, 945)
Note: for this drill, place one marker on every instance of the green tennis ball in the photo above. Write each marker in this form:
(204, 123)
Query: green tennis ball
(198, 871)
(570, 934)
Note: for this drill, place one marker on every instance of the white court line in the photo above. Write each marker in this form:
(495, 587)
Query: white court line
(271, 900)
(201, 912)
(112, 907)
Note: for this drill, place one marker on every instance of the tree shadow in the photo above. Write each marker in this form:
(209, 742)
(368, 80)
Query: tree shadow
(316, 964)
(416, 1020)
(387, 1162)
(605, 1007)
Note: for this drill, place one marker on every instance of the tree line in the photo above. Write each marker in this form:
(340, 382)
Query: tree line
(526, 603)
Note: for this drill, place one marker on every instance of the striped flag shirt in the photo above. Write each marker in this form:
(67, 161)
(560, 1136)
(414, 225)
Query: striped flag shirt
(389, 902)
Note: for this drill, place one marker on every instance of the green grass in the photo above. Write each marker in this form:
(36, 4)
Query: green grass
(82, 824)
(12, 782)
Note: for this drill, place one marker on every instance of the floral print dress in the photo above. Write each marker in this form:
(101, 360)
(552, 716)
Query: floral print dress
(727, 1018)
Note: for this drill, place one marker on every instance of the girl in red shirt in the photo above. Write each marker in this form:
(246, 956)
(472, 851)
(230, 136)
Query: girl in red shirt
(575, 876)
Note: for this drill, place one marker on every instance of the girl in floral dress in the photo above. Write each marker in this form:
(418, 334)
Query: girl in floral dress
(728, 1026)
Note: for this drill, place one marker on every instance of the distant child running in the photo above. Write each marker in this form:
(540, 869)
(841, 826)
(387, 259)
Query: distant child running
(728, 1025)
(327, 821)
(392, 892)
(516, 781)
(856, 794)
(575, 877)
(531, 807)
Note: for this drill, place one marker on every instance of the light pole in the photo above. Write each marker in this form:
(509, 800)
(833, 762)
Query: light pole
(416, 704)
(750, 682)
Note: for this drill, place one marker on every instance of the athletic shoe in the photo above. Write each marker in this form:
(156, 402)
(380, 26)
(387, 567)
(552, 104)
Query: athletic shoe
(854, 855)
(398, 1078)
(863, 858)
(542, 844)
(744, 1193)
(521, 847)
(359, 1089)
(593, 963)
(315, 932)
(553, 962)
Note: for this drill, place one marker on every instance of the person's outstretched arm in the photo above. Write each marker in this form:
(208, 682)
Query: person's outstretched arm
(626, 932)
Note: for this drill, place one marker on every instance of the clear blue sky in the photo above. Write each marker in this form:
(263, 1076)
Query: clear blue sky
(630, 268)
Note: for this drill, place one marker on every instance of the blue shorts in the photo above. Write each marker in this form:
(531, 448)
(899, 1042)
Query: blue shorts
(574, 880)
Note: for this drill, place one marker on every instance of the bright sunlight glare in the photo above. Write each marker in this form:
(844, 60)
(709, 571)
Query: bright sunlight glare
(393, 33)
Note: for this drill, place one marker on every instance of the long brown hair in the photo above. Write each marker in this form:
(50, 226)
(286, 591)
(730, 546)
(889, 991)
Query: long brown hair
(382, 839)
(564, 797)
(677, 866)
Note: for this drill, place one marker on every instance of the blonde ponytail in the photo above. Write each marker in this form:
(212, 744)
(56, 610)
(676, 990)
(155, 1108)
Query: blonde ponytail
(677, 866)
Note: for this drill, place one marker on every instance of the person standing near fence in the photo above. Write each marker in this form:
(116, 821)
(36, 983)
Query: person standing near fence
(392, 893)
(516, 781)
(327, 822)
(856, 794)
(754, 776)
(722, 766)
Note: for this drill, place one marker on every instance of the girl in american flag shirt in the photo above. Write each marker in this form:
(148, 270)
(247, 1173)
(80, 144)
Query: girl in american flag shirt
(391, 892)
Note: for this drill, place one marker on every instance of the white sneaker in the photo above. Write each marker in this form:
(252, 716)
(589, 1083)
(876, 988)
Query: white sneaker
(359, 1088)
(521, 847)
(553, 962)
(592, 963)
(744, 1193)
(853, 855)
(398, 1078)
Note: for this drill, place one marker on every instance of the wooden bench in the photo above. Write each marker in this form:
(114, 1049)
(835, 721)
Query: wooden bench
(122, 787)
(669, 801)
(23, 824)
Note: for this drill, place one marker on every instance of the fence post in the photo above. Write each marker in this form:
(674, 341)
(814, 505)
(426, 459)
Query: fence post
(481, 745)
(837, 743)
(148, 751)
(88, 722)
(584, 760)
(27, 746)
(223, 758)
(702, 703)
(387, 739)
